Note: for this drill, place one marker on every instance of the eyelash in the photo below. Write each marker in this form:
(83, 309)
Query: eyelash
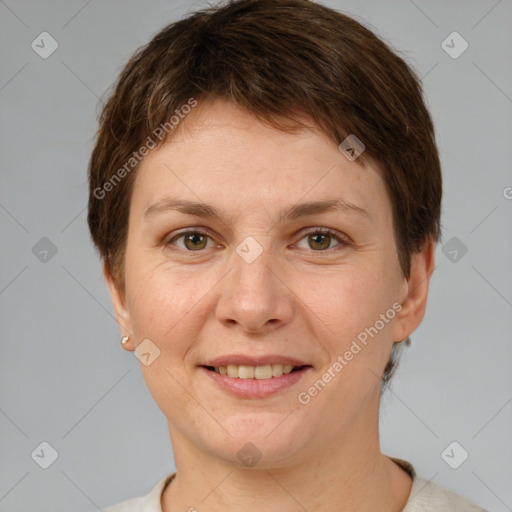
(312, 231)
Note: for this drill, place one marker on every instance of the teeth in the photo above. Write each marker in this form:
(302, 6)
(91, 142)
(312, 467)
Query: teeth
(255, 372)
(277, 370)
(246, 372)
(232, 370)
(287, 368)
(263, 372)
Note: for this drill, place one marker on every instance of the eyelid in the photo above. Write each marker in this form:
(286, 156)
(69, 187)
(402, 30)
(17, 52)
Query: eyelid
(187, 231)
(341, 238)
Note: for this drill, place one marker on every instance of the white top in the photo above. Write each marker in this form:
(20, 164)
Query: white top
(425, 497)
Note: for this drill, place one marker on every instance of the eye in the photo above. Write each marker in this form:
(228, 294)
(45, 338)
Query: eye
(319, 239)
(194, 240)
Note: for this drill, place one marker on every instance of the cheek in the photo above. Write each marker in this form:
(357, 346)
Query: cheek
(352, 309)
(351, 298)
(166, 306)
(166, 309)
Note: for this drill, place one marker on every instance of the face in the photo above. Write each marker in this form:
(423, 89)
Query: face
(287, 258)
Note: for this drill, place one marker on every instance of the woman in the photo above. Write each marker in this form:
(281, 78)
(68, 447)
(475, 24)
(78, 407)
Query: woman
(265, 194)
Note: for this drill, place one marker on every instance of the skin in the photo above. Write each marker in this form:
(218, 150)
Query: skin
(303, 297)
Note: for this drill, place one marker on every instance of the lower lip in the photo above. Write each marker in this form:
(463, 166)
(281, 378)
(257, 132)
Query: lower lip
(256, 388)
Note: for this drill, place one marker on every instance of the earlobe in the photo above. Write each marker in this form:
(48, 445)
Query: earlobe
(414, 302)
(120, 309)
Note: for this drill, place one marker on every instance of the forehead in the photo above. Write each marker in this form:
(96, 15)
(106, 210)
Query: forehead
(226, 155)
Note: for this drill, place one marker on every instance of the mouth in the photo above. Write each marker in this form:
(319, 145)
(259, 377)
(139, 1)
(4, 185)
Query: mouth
(264, 372)
(255, 382)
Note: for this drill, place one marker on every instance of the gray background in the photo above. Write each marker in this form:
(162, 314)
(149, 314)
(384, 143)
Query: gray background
(64, 378)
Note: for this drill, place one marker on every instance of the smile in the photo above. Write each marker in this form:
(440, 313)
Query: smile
(267, 371)
(262, 381)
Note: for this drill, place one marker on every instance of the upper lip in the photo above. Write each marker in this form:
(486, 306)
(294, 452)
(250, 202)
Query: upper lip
(245, 360)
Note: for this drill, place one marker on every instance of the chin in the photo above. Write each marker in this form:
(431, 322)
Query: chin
(262, 440)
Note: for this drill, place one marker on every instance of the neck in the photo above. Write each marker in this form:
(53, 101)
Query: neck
(355, 476)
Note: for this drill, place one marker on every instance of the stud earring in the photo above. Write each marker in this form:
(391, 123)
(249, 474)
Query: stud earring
(124, 340)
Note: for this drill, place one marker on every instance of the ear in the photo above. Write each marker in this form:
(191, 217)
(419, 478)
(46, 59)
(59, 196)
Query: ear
(121, 311)
(414, 297)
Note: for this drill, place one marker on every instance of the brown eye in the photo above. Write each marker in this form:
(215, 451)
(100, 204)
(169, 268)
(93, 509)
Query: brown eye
(192, 241)
(320, 241)
(195, 241)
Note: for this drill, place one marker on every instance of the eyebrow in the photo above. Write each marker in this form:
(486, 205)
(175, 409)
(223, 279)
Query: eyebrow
(295, 212)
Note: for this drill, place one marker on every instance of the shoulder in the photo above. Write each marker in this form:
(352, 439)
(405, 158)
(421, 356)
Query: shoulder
(426, 496)
(148, 503)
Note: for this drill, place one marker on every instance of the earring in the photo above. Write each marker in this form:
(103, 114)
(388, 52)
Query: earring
(124, 340)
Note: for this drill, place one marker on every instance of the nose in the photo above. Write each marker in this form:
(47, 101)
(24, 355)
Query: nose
(255, 296)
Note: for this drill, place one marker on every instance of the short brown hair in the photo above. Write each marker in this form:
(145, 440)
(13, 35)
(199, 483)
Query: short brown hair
(280, 60)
